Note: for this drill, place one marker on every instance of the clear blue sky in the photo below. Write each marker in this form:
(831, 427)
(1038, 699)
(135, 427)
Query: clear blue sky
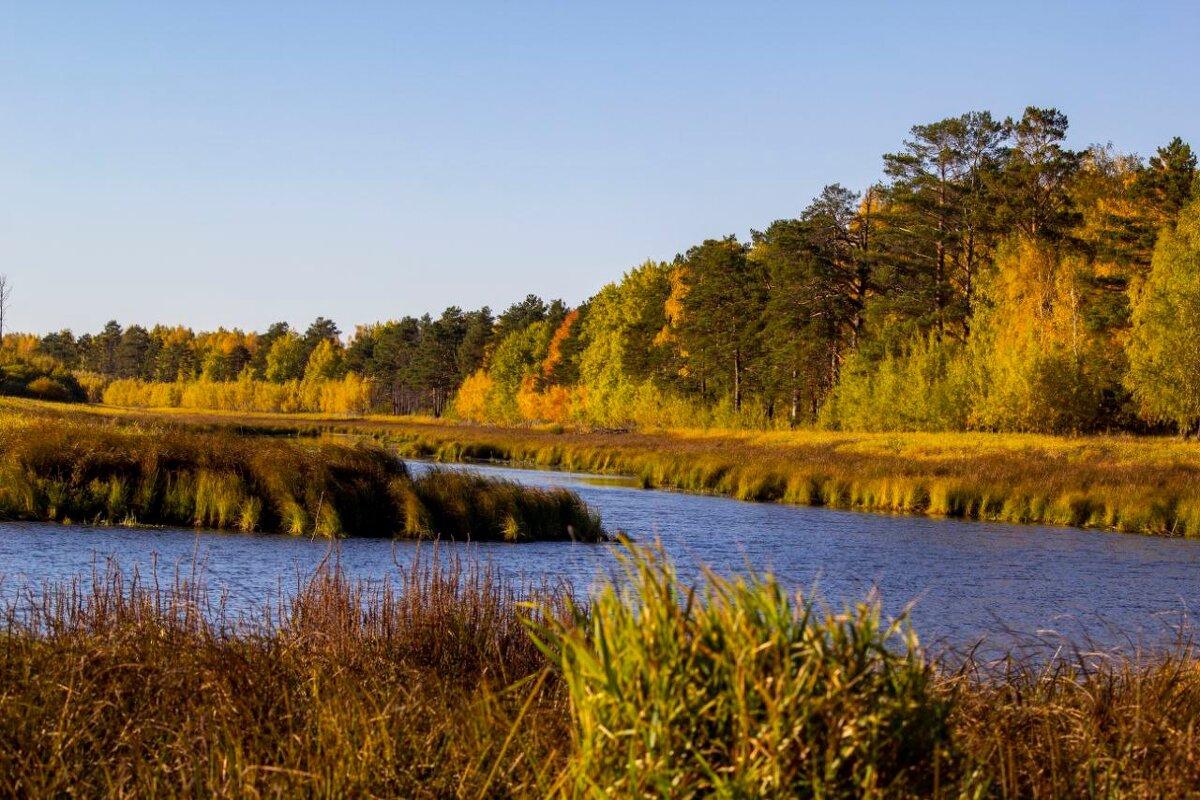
(230, 163)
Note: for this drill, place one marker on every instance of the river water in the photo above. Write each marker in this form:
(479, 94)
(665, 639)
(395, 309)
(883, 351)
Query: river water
(967, 581)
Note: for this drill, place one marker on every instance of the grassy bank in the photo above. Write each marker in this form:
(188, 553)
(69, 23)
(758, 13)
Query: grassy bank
(433, 687)
(1121, 483)
(74, 467)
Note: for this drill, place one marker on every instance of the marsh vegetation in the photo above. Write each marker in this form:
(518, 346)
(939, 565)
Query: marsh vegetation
(69, 467)
(448, 681)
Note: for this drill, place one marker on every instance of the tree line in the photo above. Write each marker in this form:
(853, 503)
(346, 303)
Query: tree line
(992, 279)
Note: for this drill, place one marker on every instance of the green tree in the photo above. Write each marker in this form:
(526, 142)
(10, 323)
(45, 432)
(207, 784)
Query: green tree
(1164, 348)
(394, 352)
(62, 347)
(1169, 180)
(436, 364)
(623, 351)
(100, 351)
(133, 354)
(477, 338)
(517, 359)
(520, 316)
(321, 330)
(940, 203)
(286, 359)
(1036, 175)
(239, 358)
(264, 344)
(722, 316)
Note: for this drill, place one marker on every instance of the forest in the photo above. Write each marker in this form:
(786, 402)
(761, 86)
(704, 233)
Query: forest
(993, 279)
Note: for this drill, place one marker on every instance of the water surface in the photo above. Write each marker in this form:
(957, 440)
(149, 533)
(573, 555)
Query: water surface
(967, 580)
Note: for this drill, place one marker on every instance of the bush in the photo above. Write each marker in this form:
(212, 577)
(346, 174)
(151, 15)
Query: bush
(40, 382)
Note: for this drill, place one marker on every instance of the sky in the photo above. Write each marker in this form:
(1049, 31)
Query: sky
(231, 164)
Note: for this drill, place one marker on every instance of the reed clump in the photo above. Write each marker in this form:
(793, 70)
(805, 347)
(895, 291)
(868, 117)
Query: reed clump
(739, 690)
(71, 467)
(501, 509)
(1080, 726)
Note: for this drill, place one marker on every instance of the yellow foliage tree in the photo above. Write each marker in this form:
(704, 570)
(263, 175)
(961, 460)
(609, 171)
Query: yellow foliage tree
(473, 399)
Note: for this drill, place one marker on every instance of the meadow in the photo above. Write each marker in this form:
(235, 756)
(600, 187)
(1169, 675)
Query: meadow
(449, 682)
(1147, 485)
(60, 465)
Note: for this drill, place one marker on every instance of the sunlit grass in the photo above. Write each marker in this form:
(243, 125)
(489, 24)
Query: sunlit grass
(1121, 483)
(1125, 483)
(69, 467)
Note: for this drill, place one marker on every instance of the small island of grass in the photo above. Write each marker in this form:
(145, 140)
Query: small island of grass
(70, 467)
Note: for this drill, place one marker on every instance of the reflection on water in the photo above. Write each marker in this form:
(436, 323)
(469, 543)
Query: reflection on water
(968, 579)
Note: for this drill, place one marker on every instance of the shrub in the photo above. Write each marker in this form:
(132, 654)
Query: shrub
(40, 382)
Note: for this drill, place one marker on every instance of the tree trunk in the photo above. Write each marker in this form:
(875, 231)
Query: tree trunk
(795, 397)
(737, 379)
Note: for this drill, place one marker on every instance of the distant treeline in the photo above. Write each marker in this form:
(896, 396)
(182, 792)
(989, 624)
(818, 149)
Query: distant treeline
(993, 280)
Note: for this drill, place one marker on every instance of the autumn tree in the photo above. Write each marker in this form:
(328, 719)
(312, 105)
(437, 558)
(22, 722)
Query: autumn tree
(325, 362)
(1164, 356)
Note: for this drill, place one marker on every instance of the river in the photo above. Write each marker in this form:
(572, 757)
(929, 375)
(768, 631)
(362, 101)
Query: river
(967, 581)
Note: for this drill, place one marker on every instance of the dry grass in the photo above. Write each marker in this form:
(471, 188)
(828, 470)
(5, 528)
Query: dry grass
(1123, 728)
(426, 689)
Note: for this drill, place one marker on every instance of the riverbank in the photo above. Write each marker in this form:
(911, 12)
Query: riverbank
(1120, 483)
(433, 687)
(63, 465)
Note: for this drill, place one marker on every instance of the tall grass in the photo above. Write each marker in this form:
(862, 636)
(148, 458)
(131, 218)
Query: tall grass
(1124, 727)
(1114, 483)
(431, 686)
(81, 468)
(1120, 483)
